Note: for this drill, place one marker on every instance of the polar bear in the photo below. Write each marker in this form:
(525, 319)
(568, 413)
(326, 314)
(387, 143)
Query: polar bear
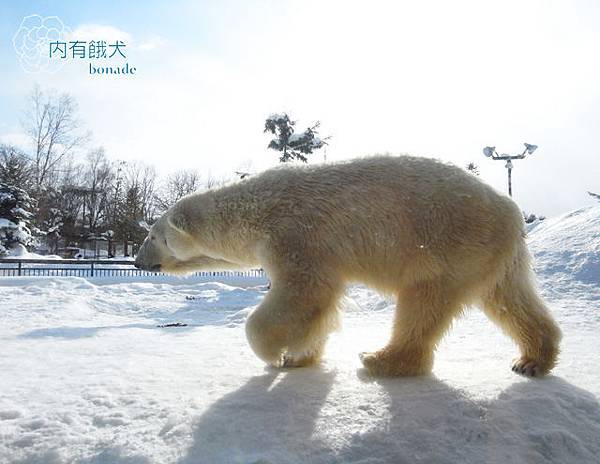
(427, 232)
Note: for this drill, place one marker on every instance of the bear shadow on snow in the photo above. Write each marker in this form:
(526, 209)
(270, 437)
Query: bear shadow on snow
(276, 418)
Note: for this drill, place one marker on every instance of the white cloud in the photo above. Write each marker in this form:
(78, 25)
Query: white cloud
(151, 43)
(88, 32)
(13, 136)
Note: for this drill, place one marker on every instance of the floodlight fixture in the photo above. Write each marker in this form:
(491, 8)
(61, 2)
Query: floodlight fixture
(491, 152)
(530, 148)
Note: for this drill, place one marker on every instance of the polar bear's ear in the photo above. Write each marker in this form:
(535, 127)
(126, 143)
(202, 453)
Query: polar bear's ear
(179, 221)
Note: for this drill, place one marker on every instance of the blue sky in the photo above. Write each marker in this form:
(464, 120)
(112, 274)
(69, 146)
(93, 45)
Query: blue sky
(433, 78)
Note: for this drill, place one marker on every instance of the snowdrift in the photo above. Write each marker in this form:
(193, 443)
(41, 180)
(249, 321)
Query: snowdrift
(567, 250)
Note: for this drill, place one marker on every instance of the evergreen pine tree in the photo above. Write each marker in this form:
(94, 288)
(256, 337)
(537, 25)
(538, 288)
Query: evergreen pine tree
(15, 218)
(291, 145)
(15, 167)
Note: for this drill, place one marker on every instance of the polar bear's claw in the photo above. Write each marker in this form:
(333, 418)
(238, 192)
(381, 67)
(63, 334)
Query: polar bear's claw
(526, 367)
(288, 360)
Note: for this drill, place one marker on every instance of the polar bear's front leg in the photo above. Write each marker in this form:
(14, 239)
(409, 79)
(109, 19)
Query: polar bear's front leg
(290, 327)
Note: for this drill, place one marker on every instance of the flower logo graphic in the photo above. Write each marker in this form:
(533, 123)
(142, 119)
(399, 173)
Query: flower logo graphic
(32, 43)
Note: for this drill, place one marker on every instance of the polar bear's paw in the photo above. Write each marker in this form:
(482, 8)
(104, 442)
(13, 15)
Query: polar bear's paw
(306, 358)
(527, 367)
(288, 360)
(386, 363)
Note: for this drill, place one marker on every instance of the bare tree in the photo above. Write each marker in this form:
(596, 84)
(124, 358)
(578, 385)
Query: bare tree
(53, 126)
(142, 179)
(98, 178)
(179, 184)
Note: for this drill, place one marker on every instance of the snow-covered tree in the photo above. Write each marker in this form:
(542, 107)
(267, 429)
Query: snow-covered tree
(15, 219)
(292, 146)
(15, 167)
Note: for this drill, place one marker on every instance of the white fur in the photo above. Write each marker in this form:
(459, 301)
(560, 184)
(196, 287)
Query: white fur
(427, 232)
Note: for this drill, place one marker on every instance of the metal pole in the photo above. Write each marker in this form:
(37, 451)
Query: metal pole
(510, 181)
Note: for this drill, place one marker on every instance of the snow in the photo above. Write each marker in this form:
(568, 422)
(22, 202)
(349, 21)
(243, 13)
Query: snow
(21, 212)
(315, 141)
(568, 250)
(277, 117)
(88, 377)
(20, 252)
(5, 223)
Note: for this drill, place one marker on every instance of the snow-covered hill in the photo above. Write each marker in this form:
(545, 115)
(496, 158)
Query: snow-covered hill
(87, 376)
(567, 252)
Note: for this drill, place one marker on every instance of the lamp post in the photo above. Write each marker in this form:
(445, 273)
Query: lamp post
(491, 152)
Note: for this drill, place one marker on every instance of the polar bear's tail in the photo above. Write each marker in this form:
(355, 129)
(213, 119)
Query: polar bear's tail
(515, 305)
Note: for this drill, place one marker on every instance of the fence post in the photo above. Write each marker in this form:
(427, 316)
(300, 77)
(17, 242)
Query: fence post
(20, 264)
(92, 269)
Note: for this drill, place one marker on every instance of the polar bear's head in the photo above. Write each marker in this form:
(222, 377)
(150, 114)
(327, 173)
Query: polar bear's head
(177, 243)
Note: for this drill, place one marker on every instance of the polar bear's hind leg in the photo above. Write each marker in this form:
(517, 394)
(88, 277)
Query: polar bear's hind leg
(423, 315)
(516, 307)
(514, 304)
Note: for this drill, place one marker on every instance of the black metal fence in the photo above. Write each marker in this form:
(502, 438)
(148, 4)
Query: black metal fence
(96, 268)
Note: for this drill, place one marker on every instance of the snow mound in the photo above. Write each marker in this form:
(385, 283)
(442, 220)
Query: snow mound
(567, 248)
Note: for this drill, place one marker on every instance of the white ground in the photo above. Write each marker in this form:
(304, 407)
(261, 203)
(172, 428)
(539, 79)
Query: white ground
(86, 376)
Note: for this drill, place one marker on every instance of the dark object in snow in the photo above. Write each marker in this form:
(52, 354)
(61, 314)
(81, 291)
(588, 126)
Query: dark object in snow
(173, 324)
(530, 218)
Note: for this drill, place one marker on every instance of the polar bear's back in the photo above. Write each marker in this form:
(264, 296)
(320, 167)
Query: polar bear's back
(386, 212)
(406, 188)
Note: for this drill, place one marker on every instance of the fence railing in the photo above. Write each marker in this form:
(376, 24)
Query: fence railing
(12, 267)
